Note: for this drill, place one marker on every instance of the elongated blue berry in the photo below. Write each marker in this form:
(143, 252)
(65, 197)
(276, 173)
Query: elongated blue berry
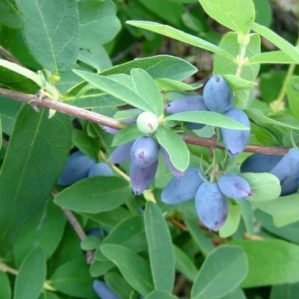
(183, 188)
(144, 151)
(234, 186)
(211, 206)
(235, 140)
(217, 95)
(260, 163)
(288, 166)
(188, 103)
(169, 164)
(75, 169)
(103, 291)
(100, 169)
(121, 154)
(141, 177)
(289, 185)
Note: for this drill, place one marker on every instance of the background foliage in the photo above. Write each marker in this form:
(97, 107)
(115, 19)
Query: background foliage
(105, 56)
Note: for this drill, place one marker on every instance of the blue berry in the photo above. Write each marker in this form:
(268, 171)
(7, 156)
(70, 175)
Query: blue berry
(75, 169)
(141, 177)
(100, 169)
(103, 291)
(211, 206)
(144, 151)
(183, 188)
(234, 186)
(217, 95)
(188, 103)
(260, 163)
(121, 154)
(235, 140)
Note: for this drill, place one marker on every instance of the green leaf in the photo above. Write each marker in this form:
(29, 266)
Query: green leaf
(263, 12)
(174, 10)
(38, 231)
(278, 41)
(135, 269)
(159, 66)
(229, 42)
(94, 195)
(273, 57)
(41, 140)
(129, 233)
(260, 118)
(118, 284)
(18, 78)
(235, 294)
(222, 271)
(8, 113)
(184, 264)
(201, 240)
(288, 232)
(208, 118)
(285, 291)
(125, 135)
(32, 275)
(271, 262)
(73, 279)
(237, 15)
(5, 290)
(173, 85)
(181, 36)
(114, 88)
(90, 243)
(50, 30)
(148, 90)
(175, 147)
(232, 221)
(9, 15)
(98, 22)
(237, 83)
(293, 93)
(264, 186)
(160, 295)
(284, 210)
(161, 253)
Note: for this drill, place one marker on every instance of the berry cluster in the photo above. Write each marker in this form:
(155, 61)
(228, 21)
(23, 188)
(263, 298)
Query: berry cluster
(217, 97)
(143, 154)
(79, 166)
(210, 198)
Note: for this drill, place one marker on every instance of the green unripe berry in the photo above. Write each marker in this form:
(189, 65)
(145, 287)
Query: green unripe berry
(147, 122)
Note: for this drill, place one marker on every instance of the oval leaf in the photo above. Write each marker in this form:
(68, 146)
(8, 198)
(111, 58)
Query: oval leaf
(264, 186)
(160, 248)
(222, 271)
(51, 26)
(32, 275)
(94, 195)
(208, 118)
(175, 147)
(134, 268)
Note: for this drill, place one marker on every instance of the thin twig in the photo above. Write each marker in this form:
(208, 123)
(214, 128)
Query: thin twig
(79, 231)
(60, 107)
(110, 122)
(8, 56)
(5, 268)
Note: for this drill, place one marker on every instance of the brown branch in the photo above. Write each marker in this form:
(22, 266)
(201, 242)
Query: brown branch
(110, 122)
(60, 107)
(8, 56)
(210, 142)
